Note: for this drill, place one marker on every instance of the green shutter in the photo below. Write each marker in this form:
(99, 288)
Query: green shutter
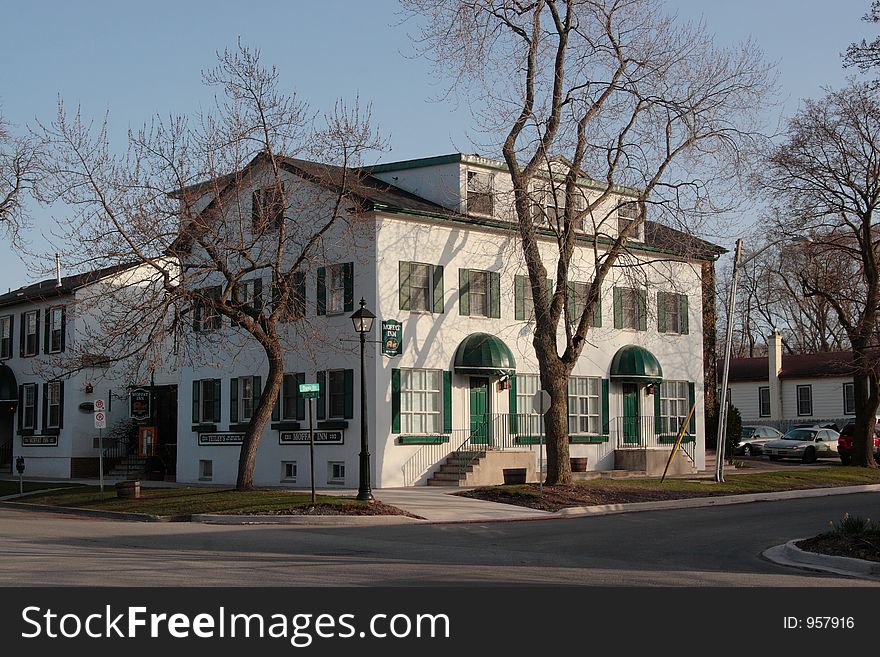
(464, 288)
(61, 404)
(218, 404)
(47, 321)
(276, 407)
(196, 402)
(511, 397)
(618, 308)
(321, 378)
(597, 311)
(494, 295)
(45, 418)
(643, 310)
(64, 326)
(692, 398)
(348, 281)
(661, 313)
(233, 401)
(519, 297)
(257, 391)
(605, 407)
(348, 411)
(322, 291)
(300, 400)
(683, 313)
(447, 402)
(438, 288)
(658, 420)
(395, 401)
(403, 281)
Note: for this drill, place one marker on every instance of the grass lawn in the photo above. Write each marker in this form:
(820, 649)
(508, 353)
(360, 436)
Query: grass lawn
(185, 501)
(11, 487)
(618, 491)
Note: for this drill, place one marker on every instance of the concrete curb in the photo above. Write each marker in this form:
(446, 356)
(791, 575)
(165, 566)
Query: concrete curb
(7, 498)
(791, 555)
(725, 500)
(304, 521)
(91, 513)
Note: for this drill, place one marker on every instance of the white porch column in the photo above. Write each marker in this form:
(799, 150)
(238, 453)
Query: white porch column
(774, 363)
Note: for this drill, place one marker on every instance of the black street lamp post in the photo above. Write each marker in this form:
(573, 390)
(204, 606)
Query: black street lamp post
(363, 324)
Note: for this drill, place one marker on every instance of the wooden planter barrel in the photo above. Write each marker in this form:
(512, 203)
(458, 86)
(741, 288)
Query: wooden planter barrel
(130, 490)
(579, 464)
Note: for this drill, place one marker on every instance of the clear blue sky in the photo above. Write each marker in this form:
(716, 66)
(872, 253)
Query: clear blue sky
(139, 59)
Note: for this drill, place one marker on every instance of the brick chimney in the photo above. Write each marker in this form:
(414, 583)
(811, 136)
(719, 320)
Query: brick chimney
(774, 363)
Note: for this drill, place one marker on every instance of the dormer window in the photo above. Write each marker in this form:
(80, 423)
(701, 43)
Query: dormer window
(626, 214)
(552, 203)
(267, 209)
(479, 193)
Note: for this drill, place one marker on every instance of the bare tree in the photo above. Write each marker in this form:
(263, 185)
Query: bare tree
(825, 179)
(862, 54)
(613, 89)
(19, 168)
(221, 220)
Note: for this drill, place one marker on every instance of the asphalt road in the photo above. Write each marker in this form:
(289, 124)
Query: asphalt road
(694, 547)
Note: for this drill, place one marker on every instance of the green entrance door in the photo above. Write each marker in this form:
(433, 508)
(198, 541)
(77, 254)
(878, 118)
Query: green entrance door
(479, 410)
(630, 413)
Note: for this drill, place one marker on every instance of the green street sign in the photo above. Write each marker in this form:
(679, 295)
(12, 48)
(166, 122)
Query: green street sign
(309, 390)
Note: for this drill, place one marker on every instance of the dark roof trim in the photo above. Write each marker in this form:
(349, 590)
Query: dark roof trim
(49, 288)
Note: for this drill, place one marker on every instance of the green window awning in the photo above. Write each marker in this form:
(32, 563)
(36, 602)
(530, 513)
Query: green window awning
(481, 353)
(8, 384)
(634, 364)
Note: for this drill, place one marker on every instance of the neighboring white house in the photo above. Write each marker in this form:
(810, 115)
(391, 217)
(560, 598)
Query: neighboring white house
(438, 262)
(785, 389)
(50, 421)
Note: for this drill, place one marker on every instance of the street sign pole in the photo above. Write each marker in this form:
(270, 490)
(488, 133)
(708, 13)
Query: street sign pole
(100, 423)
(312, 447)
(540, 401)
(101, 462)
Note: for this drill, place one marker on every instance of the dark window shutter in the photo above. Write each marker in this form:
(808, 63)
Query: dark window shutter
(258, 294)
(348, 281)
(61, 404)
(11, 334)
(322, 291)
(299, 294)
(196, 405)
(464, 287)
(692, 398)
(658, 420)
(447, 402)
(643, 310)
(519, 297)
(683, 313)
(403, 280)
(438, 288)
(300, 400)
(286, 381)
(606, 420)
(597, 311)
(37, 336)
(21, 334)
(321, 378)
(64, 327)
(661, 312)
(395, 401)
(618, 308)
(218, 404)
(233, 401)
(257, 392)
(494, 294)
(47, 329)
(20, 407)
(255, 208)
(514, 420)
(349, 394)
(45, 419)
(198, 310)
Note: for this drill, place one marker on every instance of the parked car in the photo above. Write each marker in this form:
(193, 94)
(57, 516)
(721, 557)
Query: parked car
(752, 439)
(806, 444)
(845, 443)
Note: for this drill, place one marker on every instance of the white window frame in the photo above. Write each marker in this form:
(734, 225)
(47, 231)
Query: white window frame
(335, 394)
(335, 289)
(762, 390)
(56, 312)
(627, 212)
(259, 215)
(53, 401)
(207, 385)
(286, 468)
(32, 406)
(336, 473)
(849, 409)
(209, 318)
(584, 405)
(245, 402)
(799, 400)
(477, 191)
(552, 208)
(31, 316)
(421, 404)
(529, 422)
(672, 307)
(429, 293)
(485, 295)
(675, 405)
(5, 337)
(630, 308)
(206, 470)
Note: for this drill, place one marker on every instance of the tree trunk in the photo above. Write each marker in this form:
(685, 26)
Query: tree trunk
(866, 398)
(260, 418)
(554, 379)
(710, 358)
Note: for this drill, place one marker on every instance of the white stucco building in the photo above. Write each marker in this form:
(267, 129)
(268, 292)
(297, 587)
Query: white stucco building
(437, 253)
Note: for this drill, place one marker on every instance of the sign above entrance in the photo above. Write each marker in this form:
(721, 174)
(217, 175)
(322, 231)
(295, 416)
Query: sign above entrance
(392, 338)
(302, 438)
(211, 439)
(139, 404)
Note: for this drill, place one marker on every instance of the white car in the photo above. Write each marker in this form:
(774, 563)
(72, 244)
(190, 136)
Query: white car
(805, 443)
(753, 438)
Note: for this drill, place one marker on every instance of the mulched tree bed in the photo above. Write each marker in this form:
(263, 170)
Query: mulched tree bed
(856, 547)
(375, 508)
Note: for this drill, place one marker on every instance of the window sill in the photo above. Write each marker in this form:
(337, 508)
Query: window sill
(422, 440)
(287, 425)
(670, 440)
(333, 424)
(25, 432)
(587, 440)
(204, 428)
(238, 426)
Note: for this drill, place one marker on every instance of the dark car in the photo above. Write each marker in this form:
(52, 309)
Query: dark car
(845, 443)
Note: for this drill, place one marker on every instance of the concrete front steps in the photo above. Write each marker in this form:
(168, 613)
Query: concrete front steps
(129, 467)
(482, 468)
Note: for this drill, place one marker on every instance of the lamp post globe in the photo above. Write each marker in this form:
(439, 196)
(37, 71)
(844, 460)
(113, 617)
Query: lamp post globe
(363, 324)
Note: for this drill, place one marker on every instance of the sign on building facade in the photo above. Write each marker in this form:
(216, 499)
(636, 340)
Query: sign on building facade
(392, 338)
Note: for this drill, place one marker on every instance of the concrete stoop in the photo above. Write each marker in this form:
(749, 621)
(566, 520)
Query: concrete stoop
(484, 468)
(652, 462)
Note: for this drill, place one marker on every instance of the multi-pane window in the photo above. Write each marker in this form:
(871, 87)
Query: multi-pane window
(805, 400)
(584, 410)
(206, 470)
(672, 313)
(56, 329)
(335, 289)
(288, 471)
(529, 422)
(205, 315)
(336, 472)
(479, 293)
(336, 393)
(289, 396)
(524, 307)
(849, 399)
(578, 293)
(630, 308)
(763, 401)
(29, 406)
(674, 405)
(267, 209)
(420, 287)
(552, 204)
(30, 327)
(479, 193)
(5, 337)
(206, 403)
(245, 398)
(53, 404)
(421, 401)
(627, 213)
